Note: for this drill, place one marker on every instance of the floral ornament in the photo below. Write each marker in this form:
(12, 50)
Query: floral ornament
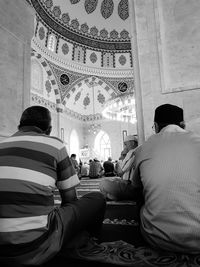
(65, 48)
(56, 11)
(65, 18)
(41, 33)
(90, 5)
(107, 8)
(101, 98)
(122, 60)
(124, 34)
(75, 24)
(84, 28)
(114, 34)
(123, 9)
(48, 3)
(74, 1)
(48, 86)
(104, 33)
(86, 101)
(93, 57)
(77, 96)
(94, 31)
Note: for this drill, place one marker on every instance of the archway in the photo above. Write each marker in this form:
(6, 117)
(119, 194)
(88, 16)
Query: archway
(102, 145)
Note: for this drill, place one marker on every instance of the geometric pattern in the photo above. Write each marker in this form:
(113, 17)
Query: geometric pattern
(107, 8)
(123, 9)
(122, 60)
(90, 5)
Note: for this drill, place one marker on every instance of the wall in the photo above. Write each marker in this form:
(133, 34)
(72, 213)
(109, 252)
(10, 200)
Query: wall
(168, 37)
(16, 31)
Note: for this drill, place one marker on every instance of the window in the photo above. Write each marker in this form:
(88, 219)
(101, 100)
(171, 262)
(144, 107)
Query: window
(102, 145)
(51, 43)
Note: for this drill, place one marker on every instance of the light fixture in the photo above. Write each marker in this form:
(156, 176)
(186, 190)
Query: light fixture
(120, 109)
(94, 127)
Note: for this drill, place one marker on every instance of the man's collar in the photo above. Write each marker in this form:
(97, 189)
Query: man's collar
(30, 129)
(173, 128)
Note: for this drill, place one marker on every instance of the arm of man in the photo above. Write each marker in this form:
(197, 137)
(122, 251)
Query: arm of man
(68, 196)
(67, 178)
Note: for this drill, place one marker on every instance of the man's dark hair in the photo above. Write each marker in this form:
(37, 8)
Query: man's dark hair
(168, 114)
(73, 155)
(37, 116)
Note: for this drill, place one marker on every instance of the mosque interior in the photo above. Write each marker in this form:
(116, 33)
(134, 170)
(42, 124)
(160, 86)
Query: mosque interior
(100, 66)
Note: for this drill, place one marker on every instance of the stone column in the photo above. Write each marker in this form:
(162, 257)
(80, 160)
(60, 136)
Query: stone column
(137, 82)
(16, 31)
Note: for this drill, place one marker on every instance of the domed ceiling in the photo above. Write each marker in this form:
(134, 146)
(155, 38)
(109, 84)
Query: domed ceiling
(85, 48)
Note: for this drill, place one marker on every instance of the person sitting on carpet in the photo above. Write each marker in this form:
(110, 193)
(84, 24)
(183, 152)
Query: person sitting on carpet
(108, 167)
(121, 188)
(96, 169)
(32, 165)
(168, 167)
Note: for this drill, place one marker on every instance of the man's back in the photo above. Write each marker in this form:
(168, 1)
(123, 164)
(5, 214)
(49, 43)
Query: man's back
(170, 173)
(30, 163)
(108, 168)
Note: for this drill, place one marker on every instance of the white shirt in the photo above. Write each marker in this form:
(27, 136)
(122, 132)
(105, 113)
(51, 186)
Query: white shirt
(168, 164)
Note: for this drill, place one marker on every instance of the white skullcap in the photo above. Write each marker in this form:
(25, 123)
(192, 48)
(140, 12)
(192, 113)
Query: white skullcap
(130, 138)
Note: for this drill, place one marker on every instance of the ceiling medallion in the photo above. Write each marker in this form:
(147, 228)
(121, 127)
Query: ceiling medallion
(90, 5)
(122, 87)
(64, 79)
(107, 8)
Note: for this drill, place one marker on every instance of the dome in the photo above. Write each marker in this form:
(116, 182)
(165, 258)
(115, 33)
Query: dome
(85, 47)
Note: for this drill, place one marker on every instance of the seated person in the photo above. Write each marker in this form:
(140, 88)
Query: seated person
(108, 167)
(120, 188)
(167, 166)
(74, 162)
(96, 169)
(32, 165)
(85, 170)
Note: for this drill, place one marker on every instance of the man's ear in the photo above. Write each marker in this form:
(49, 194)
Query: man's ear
(48, 131)
(182, 124)
(157, 128)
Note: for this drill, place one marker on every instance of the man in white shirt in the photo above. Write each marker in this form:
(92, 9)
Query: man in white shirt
(168, 167)
(121, 188)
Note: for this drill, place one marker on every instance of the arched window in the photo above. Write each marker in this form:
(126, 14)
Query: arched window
(36, 76)
(51, 43)
(102, 145)
(74, 144)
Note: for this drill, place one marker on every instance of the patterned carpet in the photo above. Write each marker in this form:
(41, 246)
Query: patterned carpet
(121, 243)
(123, 254)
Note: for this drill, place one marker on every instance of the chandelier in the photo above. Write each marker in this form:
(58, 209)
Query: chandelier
(120, 109)
(94, 127)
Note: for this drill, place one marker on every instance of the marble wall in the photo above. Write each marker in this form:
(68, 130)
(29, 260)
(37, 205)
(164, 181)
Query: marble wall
(16, 31)
(167, 41)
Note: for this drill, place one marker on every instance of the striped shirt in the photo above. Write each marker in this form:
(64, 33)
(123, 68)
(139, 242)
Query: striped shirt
(32, 165)
(168, 165)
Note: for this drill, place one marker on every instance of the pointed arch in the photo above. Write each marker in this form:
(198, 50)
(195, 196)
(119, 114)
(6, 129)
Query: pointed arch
(102, 145)
(52, 79)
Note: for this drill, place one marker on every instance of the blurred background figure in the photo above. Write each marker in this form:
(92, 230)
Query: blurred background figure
(108, 167)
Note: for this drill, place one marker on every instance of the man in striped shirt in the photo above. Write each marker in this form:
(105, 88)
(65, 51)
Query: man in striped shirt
(32, 165)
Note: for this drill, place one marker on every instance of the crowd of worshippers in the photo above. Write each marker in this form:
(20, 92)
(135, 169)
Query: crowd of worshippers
(162, 175)
(109, 168)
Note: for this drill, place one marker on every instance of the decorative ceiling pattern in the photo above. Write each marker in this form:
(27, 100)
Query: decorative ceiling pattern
(68, 36)
(63, 24)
